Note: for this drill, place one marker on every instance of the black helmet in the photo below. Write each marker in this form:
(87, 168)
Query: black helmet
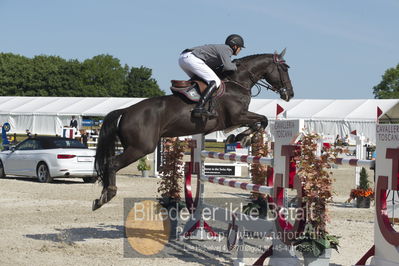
(235, 39)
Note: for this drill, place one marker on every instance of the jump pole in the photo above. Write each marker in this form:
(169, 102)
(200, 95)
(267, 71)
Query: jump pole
(286, 133)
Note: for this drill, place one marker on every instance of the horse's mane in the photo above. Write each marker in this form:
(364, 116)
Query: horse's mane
(250, 57)
(242, 63)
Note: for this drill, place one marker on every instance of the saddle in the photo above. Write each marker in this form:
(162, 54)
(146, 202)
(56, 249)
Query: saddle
(193, 89)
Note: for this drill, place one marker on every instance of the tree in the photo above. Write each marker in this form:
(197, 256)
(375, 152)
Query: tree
(15, 70)
(140, 84)
(103, 75)
(45, 77)
(364, 181)
(40, 76)
(100, 76)
(388, 88)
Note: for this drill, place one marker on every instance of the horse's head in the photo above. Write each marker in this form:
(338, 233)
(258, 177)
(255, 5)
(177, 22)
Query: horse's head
(254, 70)
(278, 77)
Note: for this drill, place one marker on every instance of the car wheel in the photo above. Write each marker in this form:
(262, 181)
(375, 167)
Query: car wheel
(2, 174)
(89, 179)
(43, 174)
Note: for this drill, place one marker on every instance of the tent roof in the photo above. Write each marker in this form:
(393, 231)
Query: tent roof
(90, 106)
(329, 109)
(310, 109)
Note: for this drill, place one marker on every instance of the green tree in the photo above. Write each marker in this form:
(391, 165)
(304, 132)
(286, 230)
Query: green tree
(364, 182)
(140, 84)
(71, 79)
(41, 76)
(45, 77)
(388, 88)
(14, 71)
(100, 76)
(103, 75)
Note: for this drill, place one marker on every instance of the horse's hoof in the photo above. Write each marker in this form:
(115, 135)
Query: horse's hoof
(95, 205)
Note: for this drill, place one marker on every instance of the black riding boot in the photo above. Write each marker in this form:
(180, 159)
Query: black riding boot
(200, 109)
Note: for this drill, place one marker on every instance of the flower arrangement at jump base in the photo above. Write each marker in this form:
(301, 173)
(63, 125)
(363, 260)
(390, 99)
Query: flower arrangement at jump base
(171, 172)
(363, 194)
(315, 242)
(259, 173)
(356, 193)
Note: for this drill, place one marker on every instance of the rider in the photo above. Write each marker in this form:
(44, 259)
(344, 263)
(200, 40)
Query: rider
(202, 61)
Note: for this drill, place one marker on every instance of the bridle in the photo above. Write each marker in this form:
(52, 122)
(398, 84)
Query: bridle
(284, 82)
(260, 82)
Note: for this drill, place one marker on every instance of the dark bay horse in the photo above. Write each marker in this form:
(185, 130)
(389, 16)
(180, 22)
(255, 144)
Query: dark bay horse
(140, 126)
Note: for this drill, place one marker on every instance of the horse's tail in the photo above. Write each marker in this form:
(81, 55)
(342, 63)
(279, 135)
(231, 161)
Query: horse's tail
(106, 145)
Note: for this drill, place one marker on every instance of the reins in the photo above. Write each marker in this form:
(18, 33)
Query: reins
(260, 83)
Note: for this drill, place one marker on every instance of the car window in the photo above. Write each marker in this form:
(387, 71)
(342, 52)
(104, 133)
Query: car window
(29, 144)
(67, 143)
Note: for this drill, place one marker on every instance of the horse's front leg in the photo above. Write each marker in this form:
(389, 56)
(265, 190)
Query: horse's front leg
(254, 122)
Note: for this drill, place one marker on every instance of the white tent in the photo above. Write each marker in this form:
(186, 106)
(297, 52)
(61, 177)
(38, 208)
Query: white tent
(328, 116)
(47, 115)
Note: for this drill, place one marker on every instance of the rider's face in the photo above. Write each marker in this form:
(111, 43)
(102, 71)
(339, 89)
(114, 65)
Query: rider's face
(237, 50)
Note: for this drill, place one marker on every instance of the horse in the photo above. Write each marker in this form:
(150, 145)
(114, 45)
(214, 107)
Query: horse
(140, 126)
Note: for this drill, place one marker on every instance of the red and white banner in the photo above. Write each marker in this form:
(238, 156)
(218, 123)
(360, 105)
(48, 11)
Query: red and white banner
(68, 132)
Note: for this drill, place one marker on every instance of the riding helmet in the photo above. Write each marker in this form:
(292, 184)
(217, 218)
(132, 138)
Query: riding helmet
(235, 39)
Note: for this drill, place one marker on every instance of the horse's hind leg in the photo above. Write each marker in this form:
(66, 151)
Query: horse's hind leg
(118, 162)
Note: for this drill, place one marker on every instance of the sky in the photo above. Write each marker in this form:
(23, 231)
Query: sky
(335, 49)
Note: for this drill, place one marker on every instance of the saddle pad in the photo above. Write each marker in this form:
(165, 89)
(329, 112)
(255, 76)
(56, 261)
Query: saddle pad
(192, 94)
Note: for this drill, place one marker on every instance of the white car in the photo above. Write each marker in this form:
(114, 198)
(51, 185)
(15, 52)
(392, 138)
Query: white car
(48, 158)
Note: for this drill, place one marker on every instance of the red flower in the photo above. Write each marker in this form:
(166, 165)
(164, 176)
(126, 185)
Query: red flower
(356, 193)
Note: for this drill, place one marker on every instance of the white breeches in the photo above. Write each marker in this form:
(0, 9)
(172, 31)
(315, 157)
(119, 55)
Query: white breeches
(192, 65)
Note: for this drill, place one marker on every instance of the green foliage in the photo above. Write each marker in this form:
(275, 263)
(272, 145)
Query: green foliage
(103, 76)
(388, 88)
(312, 243)
(100, 76)
(140, 83)
(364, 182)
(143, 165)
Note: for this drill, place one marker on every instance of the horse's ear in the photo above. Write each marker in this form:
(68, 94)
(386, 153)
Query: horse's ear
(283, 53)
